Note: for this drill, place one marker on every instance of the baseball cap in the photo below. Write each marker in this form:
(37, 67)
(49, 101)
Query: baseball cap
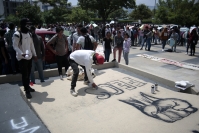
(100, 58)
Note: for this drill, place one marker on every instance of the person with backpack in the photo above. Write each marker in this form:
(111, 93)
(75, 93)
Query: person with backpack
(39, 48)
(84, 58)
(86, 41)
(25, 50)
(61, 49)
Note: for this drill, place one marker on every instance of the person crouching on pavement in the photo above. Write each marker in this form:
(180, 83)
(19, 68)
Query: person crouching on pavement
(84, 58)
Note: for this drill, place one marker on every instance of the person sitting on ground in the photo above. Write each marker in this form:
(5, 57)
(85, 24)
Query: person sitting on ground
(84, 58)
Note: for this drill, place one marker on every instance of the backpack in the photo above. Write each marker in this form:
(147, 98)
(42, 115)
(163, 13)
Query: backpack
(88, 45)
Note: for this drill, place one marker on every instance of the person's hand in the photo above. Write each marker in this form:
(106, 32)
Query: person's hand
(94, 85)
(23, 55)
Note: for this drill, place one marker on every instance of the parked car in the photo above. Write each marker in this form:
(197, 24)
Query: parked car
(46, 36)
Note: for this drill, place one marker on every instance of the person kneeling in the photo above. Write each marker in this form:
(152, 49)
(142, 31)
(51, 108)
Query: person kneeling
(84, 58)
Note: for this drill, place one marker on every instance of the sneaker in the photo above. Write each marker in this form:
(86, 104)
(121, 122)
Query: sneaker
(140, 48)
(28, 95)
(162, 49)
(73, 93)
(113, 60)
(31, 89)
(186, 53)
(86, 82)
(61, 77)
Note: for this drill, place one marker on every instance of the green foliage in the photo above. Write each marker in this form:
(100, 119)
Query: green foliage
(12, 18)
(79, 15)
(182, 12)
(56, 2)
(105, 7)
(141, 12)
(119, 14)
(30, 11)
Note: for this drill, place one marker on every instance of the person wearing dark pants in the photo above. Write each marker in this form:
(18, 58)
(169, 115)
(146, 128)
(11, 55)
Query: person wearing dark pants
(85, 59)
(25, 68)
(193, 41)
(107, 46)
(61, 49)
(62, 61)
(25, 50)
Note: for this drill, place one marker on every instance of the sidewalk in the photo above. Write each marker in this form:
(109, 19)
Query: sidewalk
(164, 70)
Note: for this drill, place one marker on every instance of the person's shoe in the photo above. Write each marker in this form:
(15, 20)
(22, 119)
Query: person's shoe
(61, 77)
(28, 95)
(31, 89)
(162, 49)
(86, 82)
(140, 48)
(190, 55)
(42, 81)
(186, 53)
(113, 60)
(73, 93)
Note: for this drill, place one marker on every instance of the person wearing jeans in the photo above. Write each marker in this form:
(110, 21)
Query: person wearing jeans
(175, 36)
(61, 49)
(107, 46)
(39, 48)
(164, 37)
(126, 47)
(85, 59)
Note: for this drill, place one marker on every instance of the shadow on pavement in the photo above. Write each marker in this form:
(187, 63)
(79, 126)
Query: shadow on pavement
(40, 97)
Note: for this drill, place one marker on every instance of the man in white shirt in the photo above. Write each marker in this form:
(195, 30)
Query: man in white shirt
(75, 36)
(25, 50)
(80, 44)
(84, 58)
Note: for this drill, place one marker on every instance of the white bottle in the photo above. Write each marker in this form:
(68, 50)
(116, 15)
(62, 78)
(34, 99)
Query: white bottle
(27, 54)
(152, 89)
(156, 86)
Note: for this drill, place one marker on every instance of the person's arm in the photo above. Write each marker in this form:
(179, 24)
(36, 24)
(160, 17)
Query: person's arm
(66, 44)
(32, 48)
(94, 42)
(78, 44)
(4, 54)
(16, 44)
(42, 49)
(74, 43)
(51, 41)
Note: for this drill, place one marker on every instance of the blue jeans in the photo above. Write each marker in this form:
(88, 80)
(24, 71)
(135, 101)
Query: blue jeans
(107, 53)
(126, 57)
(39, 65)
(148, 41)
(141, 39)
(96, 37)
(163, 43)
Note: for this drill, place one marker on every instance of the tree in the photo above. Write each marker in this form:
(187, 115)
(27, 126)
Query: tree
(32, 12)
(105, 7)
(141, 12)
(56, 2)
(182, 12)
(12, 18)
(120, 13)
(57, 14)
(79, 15)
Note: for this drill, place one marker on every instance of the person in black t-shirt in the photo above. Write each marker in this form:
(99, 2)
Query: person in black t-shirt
(4, 53)
(107, 46)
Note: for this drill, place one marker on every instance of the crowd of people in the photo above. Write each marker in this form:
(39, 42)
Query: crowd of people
(23, 50)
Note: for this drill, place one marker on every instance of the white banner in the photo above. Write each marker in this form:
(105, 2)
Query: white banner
(171, 62)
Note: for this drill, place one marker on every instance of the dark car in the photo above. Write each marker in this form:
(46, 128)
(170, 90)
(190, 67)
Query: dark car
(46, 36)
